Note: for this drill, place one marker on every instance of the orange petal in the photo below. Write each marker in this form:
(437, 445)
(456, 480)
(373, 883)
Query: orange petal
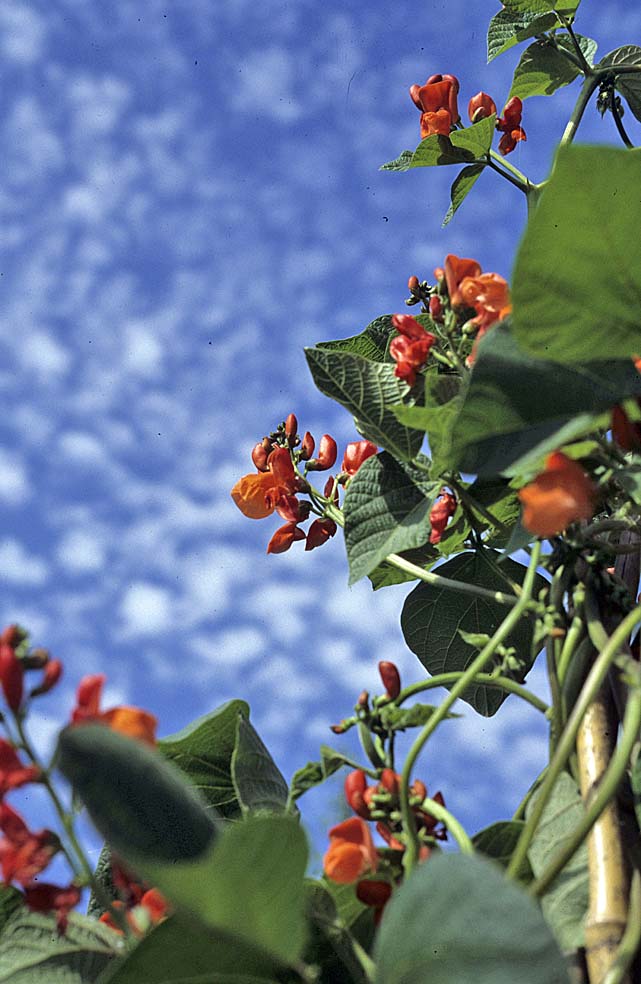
(249, 494)
(132, 722)
(344, 862)
(560, 495)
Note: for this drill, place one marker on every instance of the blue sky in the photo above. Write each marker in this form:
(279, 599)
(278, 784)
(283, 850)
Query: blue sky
(189, 194)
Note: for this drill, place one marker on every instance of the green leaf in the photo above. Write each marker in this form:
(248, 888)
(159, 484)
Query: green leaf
(515, 402)
(461, 187)
(10, 901)
(249, 884)
(432, 617)
(371, 343)
(183, 950)
(367, 390)
(203, 751)
(386, 574)
(32, 952)
(314, 773)
(330, 946)
(140, 804)
(498, 842)
(511, 26)
(461, 147)
(629, 85)
(399, 718)
(260, 785)
(443, 400)
(577, 279)
(386, 510)
(566, 901)
(458, 920)
(543, 69)
(498, 500)
(629, 479)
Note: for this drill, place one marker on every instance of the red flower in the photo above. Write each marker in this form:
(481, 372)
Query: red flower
(437, 103)
(150, 910)
(52, 673)
(284, 537)
(390, 678)
(12, 772)
(440, 515)
(626, 432)
(410, 348)
(327, 454)
(42, 897)
(351, 852)
(480, 107)
(11, 676)
(558, 496)
(355, 454)
(355, 786)
(23, 853)
(319, 533)
(456, 269)
(130, 721)
(375, 894)
(508, 124)
(256, 495)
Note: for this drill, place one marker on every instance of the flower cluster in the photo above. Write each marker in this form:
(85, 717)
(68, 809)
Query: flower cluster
(560, 495)
(25, 853)
(411, 347)
(142, 907)
(278, 482)
(481, 106)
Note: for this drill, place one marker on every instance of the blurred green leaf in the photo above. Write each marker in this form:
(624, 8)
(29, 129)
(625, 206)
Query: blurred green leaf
(386, 510)
(259, 783)
(330, 946)
(432, 617)
(498, 842)
(577, 279)
(458, 920)
(543, 69)
(32, 952)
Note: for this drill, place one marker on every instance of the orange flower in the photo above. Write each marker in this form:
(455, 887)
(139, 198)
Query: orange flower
(509, 125)
(130, 721)
(351, 852)
(489, 295)
(560, 495)
(437, 103)
(257, 495)
(456, 269)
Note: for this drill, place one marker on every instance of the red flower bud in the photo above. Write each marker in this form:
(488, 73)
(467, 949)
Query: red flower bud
(391, 678)
(52, 673)
(436, 308)
(440, 515)
(289, 508)
(260, 456)
(284, 537)
(327, 453)
(391, 781)
(331, 489)
(418, 788)
(413, 284)
(373, 893)
(480, 107)
(355, 454)
(626, 432)
(355, 787)
(11, 677)
(12, 636)
(291, 427)
(338, 729)
(319, 533)
(307, 447)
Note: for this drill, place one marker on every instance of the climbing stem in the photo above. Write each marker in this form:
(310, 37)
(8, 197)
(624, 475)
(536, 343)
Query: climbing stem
(487, 679)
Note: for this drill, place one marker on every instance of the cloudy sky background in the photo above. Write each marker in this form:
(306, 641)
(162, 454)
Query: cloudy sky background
(189, 194)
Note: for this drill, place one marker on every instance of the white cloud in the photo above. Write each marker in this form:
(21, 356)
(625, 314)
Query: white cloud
(18, 566)
(230, 649)
(146, 609)
(22, 33)
(265, 84)
(81, 551)
(41, 353)
(14, 484)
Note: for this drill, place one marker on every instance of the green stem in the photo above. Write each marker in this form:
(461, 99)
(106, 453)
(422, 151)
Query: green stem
(590, 84)
(410, 857)
(76, 860)
(366, 962)
(519, 813)
(487, 679)
(458, 832)
(618, 122)
(631, 938)
(571, 641)
(556, 723)
(565, 747)
(607, 788)
(497, 158)
(584, 65)
(508, 177)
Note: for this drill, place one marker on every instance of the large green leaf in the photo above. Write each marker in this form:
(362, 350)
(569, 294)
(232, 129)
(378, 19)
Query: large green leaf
(458, 920)
(367, 389)
(577, 279)
(432, 617)
(386, 510)
(250, 884)
(443, 399)
(260, 785)
(182, 950)
(140, 803)
(203, 751)
(461, 147)
(515, 402)
(543, 68)
(461, 187)
(628, 84)
(10, 901)
(523, 19)
(330, 946)
(32, 952)
(566, 901)
(370, 344)
(498, 842)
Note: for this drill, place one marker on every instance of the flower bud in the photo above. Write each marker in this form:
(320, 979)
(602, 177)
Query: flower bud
(390, 781)
(363, 699)
(331, 489)
(626, 432)
(355, 787)
(355, 454)
(284, 537)
(12, 636)
(436, 308)
(319, 533)
(52, 673)
(391, 678)
(36, 659)
(307, 447)
(418, 788)
(260, 456)
(480, 107)
(291, 429)
(413, 284)
(11, 677)
(327, 454)
(373, 893)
